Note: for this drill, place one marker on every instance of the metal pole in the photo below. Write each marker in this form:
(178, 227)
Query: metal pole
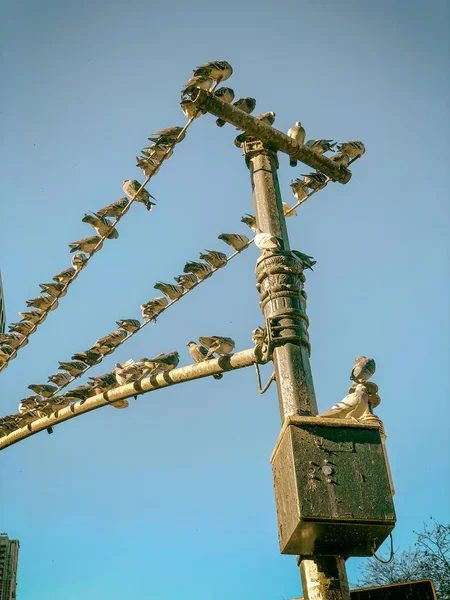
(280, 282)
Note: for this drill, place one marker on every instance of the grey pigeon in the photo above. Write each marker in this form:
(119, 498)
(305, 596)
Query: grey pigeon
(200, 354)
(24, 327)
(258, 336)
(162, 362)
(188, 281)
(103, 383)
(218, 70)
(288, 210)
(5, 353)
(45, 303)
(190, 110)
(217, 344)
(267, 242)
(81, 392)
(250, 221)
(315, 180)
(79, 261)
(198, 82)
(247, 105)
(171, 291)
(151, 309)
(115, 209)
(297, 133)
(149, 165)
(102, 225)
(131, 186)
(46, 390)
(111, 339)
(225, 93)
(75, 367)
(363, 369)
(300, 189)
(60, 379)
(88, 356)
(340, 158)
(168, 135)
(307, 261)
(201, 270)
(214, 258)
(130, 325)
(88, 245)
(14, 340)
(57, 290)
(320, 146)
(235, 240)
(354, 149)
(65, 276)
(352, 406)
(267, 118)
(34, 316)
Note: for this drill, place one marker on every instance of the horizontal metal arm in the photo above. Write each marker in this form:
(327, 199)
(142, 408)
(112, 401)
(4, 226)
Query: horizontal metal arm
(271, 136)
(149, 384)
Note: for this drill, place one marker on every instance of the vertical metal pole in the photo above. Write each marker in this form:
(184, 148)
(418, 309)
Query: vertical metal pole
(280, 283)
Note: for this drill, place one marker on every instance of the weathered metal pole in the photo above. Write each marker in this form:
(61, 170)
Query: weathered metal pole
(280, 282)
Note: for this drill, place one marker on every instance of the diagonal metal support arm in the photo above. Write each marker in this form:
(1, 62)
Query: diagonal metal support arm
(149, 384)
(271, 137)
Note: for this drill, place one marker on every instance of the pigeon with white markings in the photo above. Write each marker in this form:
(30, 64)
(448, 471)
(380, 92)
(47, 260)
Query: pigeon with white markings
(57, 290)
(352, 406)
(247, 105)
(79, 261)
(201, 82)
(214, 258)
(190, 110)
(353, 150)
(151, 309)
(168, 135)
(320, 146)
(75, 367)
(60, 379)
(235, 240)
(218, 70)
(267, 242)
(34, 316)
(130, 325)
(250, 221)
(89, 357)
(225, 93)
(114, 338)
(188, 281)
(297, 133)
(363, 369)
(5, 353)
(23, 327)
(173, 292)
(200, 354)
(44, 303)
(340, 158)
(162, 363)
(65, 276)
(115, 209)
(217, 344)
(201, 270)
(307, 261)
(131, 186)
(87, 245)
(46, 390)
(14, 340)
(300, 190)
(315, 180)
(102, 225)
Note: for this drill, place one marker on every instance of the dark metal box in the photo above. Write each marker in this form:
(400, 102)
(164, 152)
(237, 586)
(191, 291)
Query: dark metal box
(332, 489)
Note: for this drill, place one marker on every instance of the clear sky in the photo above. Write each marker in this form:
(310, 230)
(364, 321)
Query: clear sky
(173, 497)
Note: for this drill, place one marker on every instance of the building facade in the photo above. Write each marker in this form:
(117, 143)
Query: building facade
(2, 308)
(9, 555)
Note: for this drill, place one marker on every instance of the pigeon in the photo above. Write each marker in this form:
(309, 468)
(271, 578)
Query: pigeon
(131, 325)
(115, 209)
(79, 261)
(81, 392)
(173, 292)
(267, 242)
(65, 276)
(201, 82)
(103, 383)
(57, 290)
(75, 367)
(199, 354)
(29, 403)
(225, 93)
(300, 189)
(219, 70)
(131, 186)
(267, 118)
(151, 309)
(320, 146)
(34, 316)
(258, 336)
(45, 303)
(44, 390)
(288, 211)
(297, 133)
(188, 281)
(235, 240)
(149, 165)
(88, 245)
(315, 180)
(340, 158)
(111, 339)
(162, 362)
(250, 221)
(352, 149)
(201, 270)
(247, 105)
(190, 110)
(101, 225)
(60, 379)
(214, 258)
(88, 356)
(217, 345)
(363, 369)
(158, 152)
(14, 340)
(5, 353)
(168, 135)
(307, 261)
(352, 406)
(24, 327)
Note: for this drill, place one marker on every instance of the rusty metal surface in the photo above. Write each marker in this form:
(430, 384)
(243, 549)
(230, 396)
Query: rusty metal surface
(272, 137)
(325, 579)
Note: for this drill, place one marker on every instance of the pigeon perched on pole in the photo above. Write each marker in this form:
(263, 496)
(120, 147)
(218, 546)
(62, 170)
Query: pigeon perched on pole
(218, 70)
(225, 93)
(60, 379)
(44, 303)
(320, 146)
(65, 276)
(200, 354)
(288, 210)
(267, 242)
(353, 150)
(14, 340)
(307, 261)
(173, 292)
(201, 270)
(34, 316)
(131, 186)
(188, 281)
(90, 357)
(162, 363)
(57, 290)
(214, 258)
(297, 133)
(114, 338)
(115, 209)
(190, 110)
(79, 261)
(340, 158)
(201, 82)
(103, 383)
(75, 367)
(23, 327)
(131, 325)
(250, 221)
(363, 369)
(45, 390)
(352, 406)
(300, 190)
(217, 344)
(88, 245)
(167, 136)
(150, 310)
(101, 225)
(315, 180)
(235, 240)
(5, 353)
(247, 105)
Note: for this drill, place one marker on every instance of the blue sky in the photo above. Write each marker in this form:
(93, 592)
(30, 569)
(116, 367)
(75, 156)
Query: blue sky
(173, 496)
